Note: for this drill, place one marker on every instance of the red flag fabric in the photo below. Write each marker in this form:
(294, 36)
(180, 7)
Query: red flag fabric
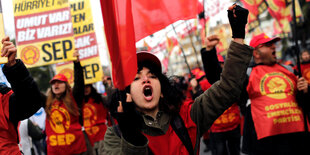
(153, 15)
(255, 8)
(127, 21)
(282, 12)
(120, 36)
(200, 7)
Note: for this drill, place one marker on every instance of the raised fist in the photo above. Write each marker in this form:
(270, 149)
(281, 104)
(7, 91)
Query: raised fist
(238, 18)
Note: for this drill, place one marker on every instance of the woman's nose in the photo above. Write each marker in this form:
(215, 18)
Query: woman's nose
(146, 79)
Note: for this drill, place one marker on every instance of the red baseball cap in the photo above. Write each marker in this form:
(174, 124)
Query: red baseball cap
(147, 56)
(59, 77)
(198, 73)
(261, 39)
(195, 71)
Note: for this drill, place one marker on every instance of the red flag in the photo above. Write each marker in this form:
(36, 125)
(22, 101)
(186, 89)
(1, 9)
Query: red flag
(200, 7)
(153, 15)
(255, 8)
(279, 10)
(127, 21)
(120, 37)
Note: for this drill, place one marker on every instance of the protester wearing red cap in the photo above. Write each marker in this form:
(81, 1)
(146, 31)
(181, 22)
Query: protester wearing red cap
(59, 77)
(263, 39)
(19, 102)
(154, 119)
(273, 111)
(63, 128)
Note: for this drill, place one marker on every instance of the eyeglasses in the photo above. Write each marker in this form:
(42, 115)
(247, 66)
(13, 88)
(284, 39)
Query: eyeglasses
(267, 44)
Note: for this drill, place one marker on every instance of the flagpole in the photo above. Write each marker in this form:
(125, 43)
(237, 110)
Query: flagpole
(298, 60)
(191, 39)
(182, 50)
(296, 39)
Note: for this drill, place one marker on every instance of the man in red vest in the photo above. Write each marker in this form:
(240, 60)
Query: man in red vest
(274, 122)
(18, 103)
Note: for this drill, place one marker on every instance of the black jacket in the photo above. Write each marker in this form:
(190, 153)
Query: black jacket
(26, 99)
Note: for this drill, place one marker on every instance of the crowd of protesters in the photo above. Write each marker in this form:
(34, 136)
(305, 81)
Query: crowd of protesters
(248, 96)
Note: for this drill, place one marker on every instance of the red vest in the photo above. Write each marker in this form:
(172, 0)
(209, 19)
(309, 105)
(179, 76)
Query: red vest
(305, 71)
(170, 143)
(64, 132)
(95, 120)
(8, 138)
(272, 92)
(228, 121)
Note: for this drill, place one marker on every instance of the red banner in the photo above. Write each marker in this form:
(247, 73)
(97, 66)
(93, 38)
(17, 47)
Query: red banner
(251, 6)
(153, 15)
(255, 8)
(282, 12)
(120, 37)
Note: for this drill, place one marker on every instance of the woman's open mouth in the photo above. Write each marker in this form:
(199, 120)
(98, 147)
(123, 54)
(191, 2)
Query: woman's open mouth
(148, 93)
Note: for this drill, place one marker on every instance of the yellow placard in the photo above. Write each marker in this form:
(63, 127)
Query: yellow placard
(44, 33)
(92, 70)
(20, 7)
(82, 18)
(85, 42)
(49, 52)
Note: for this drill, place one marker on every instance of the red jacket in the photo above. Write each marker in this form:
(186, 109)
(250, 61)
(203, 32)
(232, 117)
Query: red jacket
(170, 143)
(9, 137)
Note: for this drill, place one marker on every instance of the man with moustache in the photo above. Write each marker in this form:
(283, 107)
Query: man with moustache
(274, 122)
